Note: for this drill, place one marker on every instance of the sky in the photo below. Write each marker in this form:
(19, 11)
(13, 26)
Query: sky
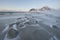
(28, 4)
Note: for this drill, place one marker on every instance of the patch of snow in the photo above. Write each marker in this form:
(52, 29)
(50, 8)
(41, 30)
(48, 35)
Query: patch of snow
(54, 38)
(6, 29)
(14, 27)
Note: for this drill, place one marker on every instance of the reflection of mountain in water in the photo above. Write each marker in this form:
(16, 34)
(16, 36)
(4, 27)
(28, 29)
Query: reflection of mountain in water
(38, 26)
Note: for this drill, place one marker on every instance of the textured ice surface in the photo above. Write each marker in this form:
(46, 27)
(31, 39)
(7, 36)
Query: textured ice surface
(49, 21)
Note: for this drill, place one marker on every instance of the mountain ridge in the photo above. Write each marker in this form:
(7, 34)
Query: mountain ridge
(44, 8)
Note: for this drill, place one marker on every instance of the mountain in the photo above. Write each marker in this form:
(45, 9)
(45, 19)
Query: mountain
(45, 8)
(33, 10)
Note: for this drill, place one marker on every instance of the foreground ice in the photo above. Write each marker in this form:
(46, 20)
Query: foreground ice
(34, 26)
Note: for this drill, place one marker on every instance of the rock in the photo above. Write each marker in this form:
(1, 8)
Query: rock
(12, 33)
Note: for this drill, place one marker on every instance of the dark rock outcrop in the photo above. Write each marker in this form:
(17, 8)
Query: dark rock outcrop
(12, 33)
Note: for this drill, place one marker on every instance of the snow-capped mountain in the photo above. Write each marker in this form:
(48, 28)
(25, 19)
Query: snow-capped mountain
(45, 8)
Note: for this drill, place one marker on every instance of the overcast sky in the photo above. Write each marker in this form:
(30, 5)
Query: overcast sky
(28, 4)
